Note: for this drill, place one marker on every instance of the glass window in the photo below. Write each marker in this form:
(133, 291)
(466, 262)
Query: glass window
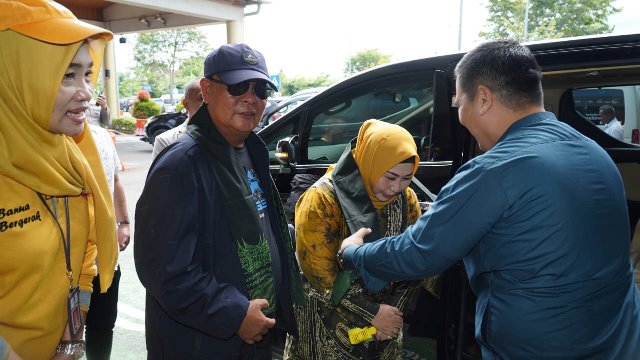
(406, 102)
(622, 102)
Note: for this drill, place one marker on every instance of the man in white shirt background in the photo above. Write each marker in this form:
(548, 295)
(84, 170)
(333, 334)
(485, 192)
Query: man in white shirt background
(611, 125)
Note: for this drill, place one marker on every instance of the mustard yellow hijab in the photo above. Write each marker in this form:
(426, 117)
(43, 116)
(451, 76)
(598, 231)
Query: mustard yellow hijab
(49, 163)
(379, 147)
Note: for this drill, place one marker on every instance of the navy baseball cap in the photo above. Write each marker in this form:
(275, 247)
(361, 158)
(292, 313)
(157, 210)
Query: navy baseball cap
(235, 63)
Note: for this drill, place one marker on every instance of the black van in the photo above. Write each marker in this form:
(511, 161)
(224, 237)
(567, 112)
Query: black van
(418, 96)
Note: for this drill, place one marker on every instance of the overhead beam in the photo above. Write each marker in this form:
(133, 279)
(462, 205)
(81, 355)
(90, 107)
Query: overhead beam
(133, 24)
(205, 9)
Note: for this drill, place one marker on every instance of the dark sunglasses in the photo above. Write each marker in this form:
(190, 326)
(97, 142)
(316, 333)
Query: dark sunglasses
(262, 89)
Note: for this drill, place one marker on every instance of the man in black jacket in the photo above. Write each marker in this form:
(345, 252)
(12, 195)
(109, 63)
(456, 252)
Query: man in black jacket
(212, 247)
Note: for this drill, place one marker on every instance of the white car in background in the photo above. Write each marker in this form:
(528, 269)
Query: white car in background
(168, 104)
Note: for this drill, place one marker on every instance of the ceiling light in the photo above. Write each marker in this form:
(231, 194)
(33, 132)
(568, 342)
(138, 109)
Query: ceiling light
(144, 20)
(161, 19)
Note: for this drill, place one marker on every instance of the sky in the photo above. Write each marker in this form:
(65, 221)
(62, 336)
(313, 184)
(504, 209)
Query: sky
(314, 37)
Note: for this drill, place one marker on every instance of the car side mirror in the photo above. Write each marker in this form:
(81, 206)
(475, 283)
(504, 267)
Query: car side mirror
(286, 154)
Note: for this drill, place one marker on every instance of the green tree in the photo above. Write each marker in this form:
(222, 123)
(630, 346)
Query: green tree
(364, 60)
(161, 53)
(128, 85)
(191, 68)
(548, 19)
(295, 84)
(152, 76)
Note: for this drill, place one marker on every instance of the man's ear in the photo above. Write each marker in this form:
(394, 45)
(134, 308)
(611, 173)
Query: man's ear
(204, 85)
(484, 99)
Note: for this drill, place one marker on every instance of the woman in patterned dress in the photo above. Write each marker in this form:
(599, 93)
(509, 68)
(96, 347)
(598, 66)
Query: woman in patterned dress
(367, 187)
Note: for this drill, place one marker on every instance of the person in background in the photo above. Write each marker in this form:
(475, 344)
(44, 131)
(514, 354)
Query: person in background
(55, 208)
(212, 247)
(334, 131)
(101, 318)
(544, 238)
(98, 112)
(191, 102)
(611, 124)
(368, 186)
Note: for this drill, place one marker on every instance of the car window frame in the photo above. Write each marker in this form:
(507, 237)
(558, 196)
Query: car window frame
(313, 110)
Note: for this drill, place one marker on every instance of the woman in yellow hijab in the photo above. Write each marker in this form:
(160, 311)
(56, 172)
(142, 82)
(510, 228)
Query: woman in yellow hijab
(367, 187)
(56, 211)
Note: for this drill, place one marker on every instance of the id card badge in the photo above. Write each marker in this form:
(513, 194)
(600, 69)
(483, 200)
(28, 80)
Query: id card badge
(73, 306)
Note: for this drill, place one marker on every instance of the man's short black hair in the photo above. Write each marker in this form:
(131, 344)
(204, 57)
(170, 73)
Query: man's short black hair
(508, 68)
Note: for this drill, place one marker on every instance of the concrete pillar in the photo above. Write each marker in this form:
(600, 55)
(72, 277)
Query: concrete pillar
(235, 31)
(111, 79)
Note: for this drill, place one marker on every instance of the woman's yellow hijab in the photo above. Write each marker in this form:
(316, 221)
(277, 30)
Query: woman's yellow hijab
(379, 147)
(52, 164)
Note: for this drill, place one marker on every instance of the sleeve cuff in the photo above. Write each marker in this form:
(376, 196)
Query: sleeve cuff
(85, 300)
(352, 256)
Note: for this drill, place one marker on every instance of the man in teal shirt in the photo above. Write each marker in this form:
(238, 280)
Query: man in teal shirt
(540, 221)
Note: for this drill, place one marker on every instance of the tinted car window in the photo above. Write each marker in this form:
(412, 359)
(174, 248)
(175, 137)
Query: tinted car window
(320, 129)
(624, 99)
(406, 103)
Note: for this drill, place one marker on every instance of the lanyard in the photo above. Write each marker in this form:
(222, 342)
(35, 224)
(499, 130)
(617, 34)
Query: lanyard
(66, 244)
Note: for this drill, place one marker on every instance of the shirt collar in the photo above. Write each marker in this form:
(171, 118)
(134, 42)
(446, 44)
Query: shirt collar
(526, 121)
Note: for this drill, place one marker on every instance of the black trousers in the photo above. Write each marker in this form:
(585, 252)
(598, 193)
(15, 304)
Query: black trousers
(101, 319)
